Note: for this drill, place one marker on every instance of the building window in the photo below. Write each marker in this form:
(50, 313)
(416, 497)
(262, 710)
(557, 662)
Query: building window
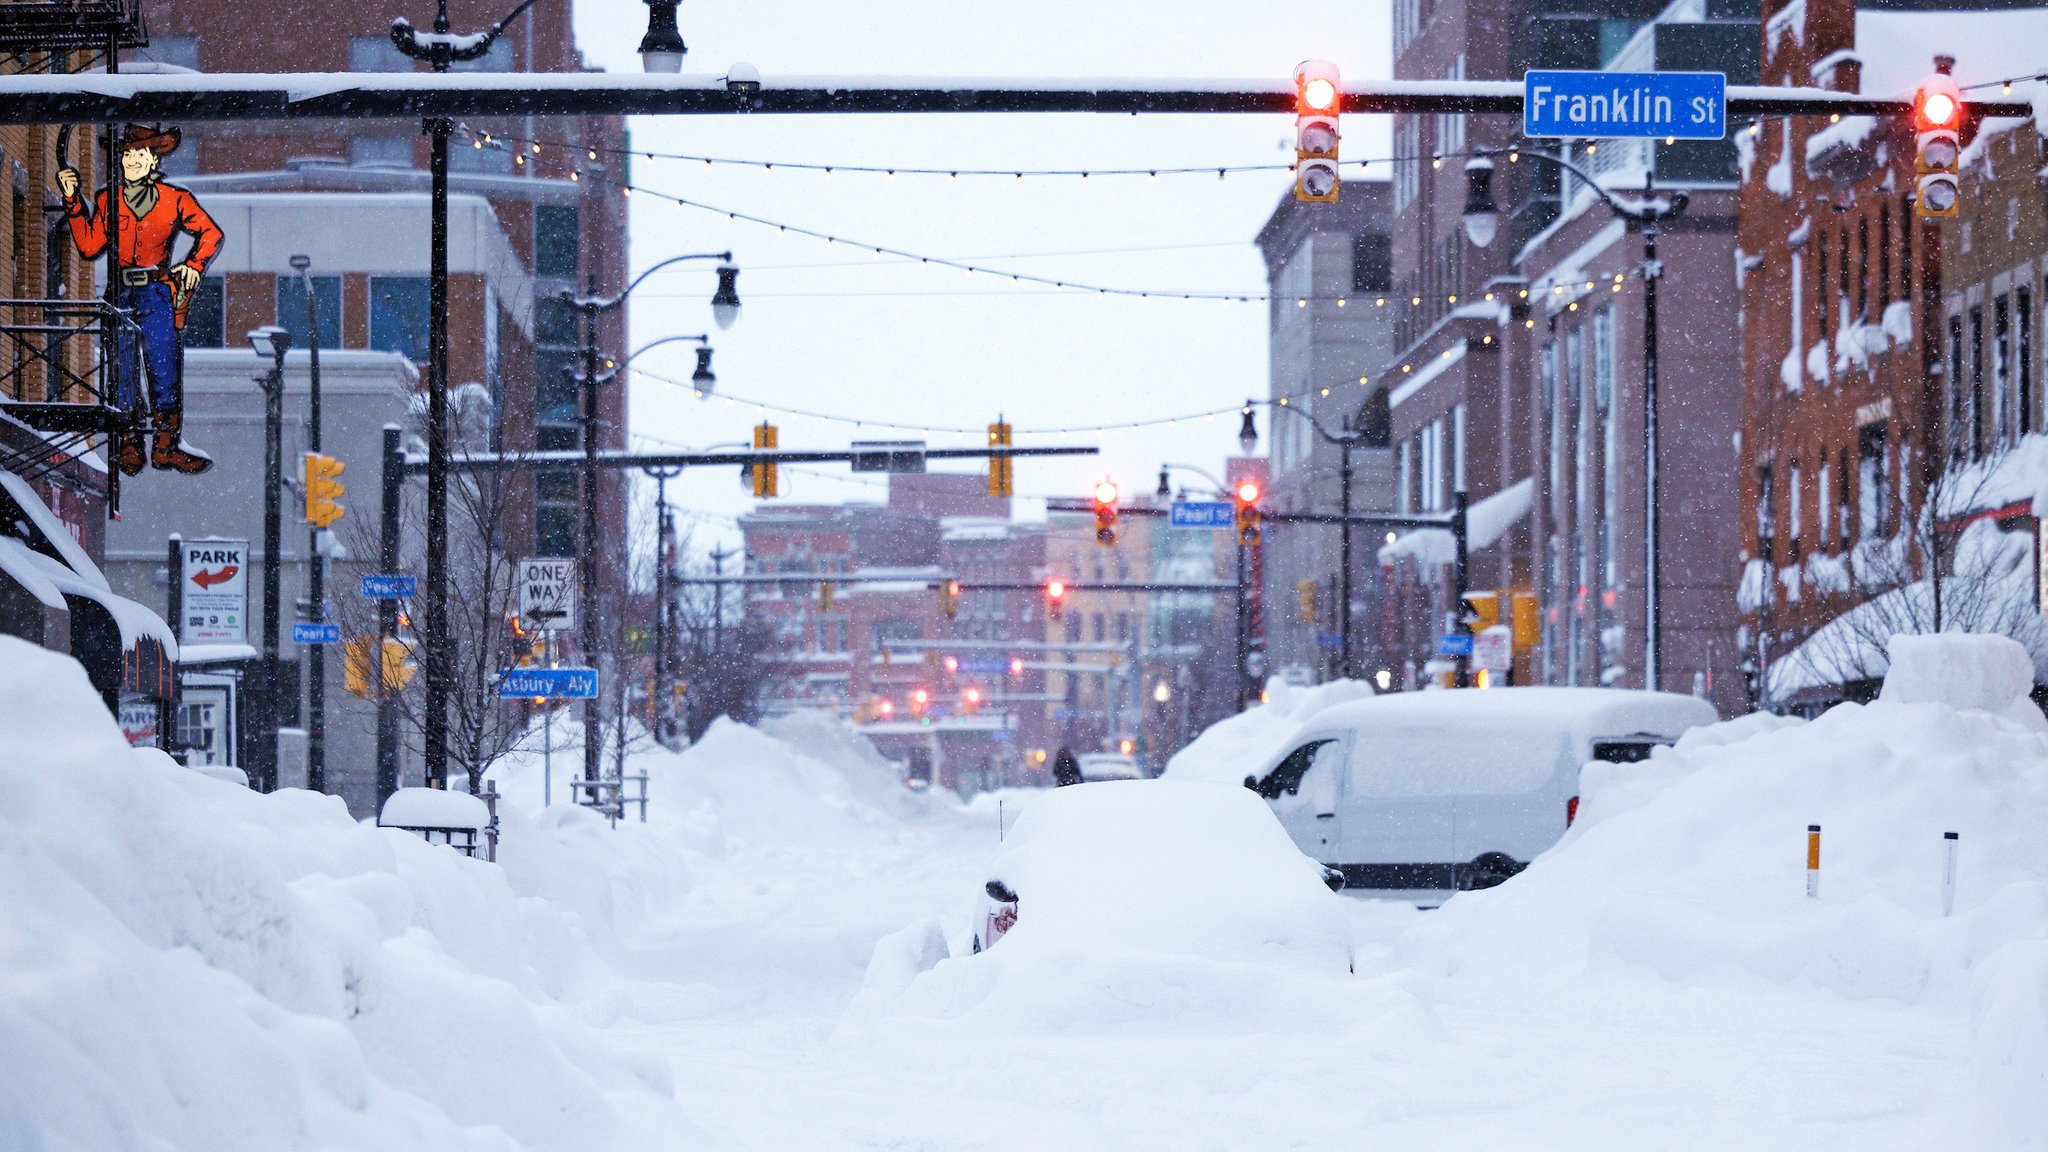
(555, 240)
(1872, 507)
(1610, 442)
(380, 151)
(1905, 248)
(1820, 283)
(1884, 252)
(1843, 525)
(206, 324)
(1372, 263)
(1842, 278)
(398, 316)
(376, 54)
(1977, 423)
(2004, 411)
(477, 156)
(291, 309)
(1824, 501)
(1404, 491)
(2023, 356)
(1766, 524)
(1958, 428)
(497, 59)
(554, 514)
(1862, 269)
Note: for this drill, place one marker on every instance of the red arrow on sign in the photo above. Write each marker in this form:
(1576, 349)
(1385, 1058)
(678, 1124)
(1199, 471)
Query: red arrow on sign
(218, 576)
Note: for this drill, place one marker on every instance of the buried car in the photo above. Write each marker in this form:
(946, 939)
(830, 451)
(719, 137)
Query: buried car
(1162, 867)
(1439, 791)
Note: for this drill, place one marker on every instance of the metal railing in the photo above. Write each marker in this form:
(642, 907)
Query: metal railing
(56, 376)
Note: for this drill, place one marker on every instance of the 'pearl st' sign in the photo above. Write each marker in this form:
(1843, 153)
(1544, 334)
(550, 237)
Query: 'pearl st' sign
(1610, 105)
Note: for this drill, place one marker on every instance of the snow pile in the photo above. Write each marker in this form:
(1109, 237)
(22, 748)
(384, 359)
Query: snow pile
(187, 964)
(1243, 744)
(1688, 871)
(1153, 902)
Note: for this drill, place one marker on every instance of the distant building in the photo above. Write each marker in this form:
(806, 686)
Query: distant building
(1328, 270)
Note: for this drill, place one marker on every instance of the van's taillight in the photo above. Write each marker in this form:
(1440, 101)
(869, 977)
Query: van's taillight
(1571, 811)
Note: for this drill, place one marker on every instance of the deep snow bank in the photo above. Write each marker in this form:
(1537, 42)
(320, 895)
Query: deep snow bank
(1690, 869)
(1240, 745)
(186, 964)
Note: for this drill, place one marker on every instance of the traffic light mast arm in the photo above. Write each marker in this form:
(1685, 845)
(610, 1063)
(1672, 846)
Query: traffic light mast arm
(44, 98)
(563, 461)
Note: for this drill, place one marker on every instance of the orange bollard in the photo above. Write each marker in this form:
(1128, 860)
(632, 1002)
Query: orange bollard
(1813, 860)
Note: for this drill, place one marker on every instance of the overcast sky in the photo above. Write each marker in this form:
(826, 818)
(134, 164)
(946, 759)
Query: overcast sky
(897, 343)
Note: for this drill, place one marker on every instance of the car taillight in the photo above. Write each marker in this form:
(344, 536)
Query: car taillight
(1571, 811)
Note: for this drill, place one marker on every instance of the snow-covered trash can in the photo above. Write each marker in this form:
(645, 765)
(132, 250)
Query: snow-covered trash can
(457, 819)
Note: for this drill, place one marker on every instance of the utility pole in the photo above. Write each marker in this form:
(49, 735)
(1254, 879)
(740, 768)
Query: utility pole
(1344, 663)
(316, 574)
(441, 50)
(664, 592)
(586, 550)
(275, 341)
(387, 617)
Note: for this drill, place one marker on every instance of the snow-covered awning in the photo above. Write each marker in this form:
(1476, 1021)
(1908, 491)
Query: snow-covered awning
(1485, 523)
(39, 554)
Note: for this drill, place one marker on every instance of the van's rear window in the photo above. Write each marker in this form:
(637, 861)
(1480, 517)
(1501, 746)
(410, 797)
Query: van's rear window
(1623, 751)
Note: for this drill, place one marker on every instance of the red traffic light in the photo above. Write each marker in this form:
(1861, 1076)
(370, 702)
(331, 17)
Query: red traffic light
(972, 696)
(1105, 493)
(920, 697)
(1937, 104)
(1055, 590)
(1016, 666)
(1247, 493)
(1315, 88)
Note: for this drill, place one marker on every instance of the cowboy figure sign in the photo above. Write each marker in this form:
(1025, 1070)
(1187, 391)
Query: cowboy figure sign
(154, 292)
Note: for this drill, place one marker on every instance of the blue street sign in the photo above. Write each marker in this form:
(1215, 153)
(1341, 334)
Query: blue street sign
(1329, 640)
(316, 633)
(1454, 645)
(984, 665)
(1606, 105)
(382, 586)
(547, 683)
(1203, 514)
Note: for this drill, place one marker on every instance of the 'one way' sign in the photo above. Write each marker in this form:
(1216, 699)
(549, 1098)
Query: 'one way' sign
(547, 592)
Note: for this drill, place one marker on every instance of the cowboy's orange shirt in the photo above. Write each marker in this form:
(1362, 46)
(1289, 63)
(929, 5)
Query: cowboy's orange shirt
(146, 243)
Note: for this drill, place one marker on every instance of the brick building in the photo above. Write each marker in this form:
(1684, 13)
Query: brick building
(1867, 377)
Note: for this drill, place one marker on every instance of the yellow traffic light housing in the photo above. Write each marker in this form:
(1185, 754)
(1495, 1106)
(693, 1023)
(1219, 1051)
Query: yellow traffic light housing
(323, 491)
(1305, 592)
(357, 670)
(1938, 147)
(766, 481)
(1247, 495)
(949, 599)
(1318, 97)
(999, 475)
(1105, 513)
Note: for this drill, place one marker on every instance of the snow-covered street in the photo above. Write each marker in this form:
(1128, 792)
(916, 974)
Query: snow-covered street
(759, 966)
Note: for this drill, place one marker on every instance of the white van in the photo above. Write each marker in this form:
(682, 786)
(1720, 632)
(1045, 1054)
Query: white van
(1435, 791)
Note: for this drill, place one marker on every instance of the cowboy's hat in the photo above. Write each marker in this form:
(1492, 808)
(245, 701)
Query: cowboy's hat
(160, 140)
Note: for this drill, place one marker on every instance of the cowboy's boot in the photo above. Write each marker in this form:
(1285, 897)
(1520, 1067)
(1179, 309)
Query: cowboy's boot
(128, 452)
(170, 452)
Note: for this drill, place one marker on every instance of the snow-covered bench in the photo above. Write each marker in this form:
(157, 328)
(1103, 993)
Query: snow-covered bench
(461, 821)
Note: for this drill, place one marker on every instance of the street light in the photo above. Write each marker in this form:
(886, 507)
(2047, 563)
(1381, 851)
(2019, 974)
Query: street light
(271, 343)
(662, 49)
(1352, 437)
(702, 380)
(1482, 221)
(725, 304)
(1248, 432)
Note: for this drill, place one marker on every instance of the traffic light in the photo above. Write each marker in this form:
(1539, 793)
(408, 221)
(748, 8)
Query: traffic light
(1055, 596)
(1937, 125)
(323, 491)
(1016, 665)
(999, 478)
(1247, 494)
(356, 669)
(970, 700)
(1305, 601)
(949, 599)
(1317, 96)
(766, 482)
(919, 698)
(1105, 513)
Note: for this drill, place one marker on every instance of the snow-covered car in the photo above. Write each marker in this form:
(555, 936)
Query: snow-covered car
(1439, 791)
(1162, 867)
(1110, 766)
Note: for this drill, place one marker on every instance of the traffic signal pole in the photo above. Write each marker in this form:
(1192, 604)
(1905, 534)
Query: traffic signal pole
(387, 617)
(316, 573)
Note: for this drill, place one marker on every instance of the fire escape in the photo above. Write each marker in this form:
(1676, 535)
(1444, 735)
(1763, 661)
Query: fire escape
(57, 355)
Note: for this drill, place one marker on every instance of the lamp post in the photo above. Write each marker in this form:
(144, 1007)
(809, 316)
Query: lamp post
(316, 570)
(1482, 222)
(725, 309)
(272, 342)
(1352, 437)
(661, 50)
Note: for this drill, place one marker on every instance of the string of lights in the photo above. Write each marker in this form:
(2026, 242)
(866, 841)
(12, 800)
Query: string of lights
(523, 146)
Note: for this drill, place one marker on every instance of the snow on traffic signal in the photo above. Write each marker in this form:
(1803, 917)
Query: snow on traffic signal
(1317, 97)
(1105, 513)
(1247, 494)
(1937, 128)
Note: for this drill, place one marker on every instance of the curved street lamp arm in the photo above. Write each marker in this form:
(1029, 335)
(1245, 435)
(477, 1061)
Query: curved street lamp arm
(698, 339)
(607, 303)
(421, 46)
(1638, 210)
(1218, 485)
(1325, 433)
